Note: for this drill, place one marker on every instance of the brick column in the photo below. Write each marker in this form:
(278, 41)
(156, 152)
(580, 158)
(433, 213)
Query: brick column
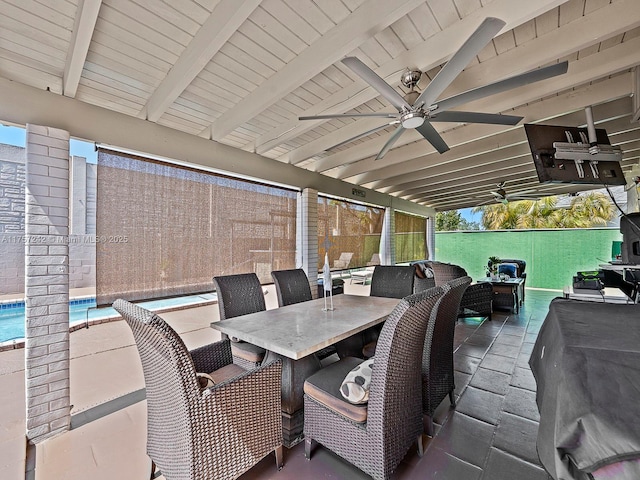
(387, 240)
(308, 235)
(47, 282)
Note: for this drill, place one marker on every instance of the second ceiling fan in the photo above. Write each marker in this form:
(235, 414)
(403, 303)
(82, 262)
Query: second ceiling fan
(417, 110)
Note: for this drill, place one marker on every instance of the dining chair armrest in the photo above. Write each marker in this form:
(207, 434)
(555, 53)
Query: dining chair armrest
(212, 356)
(242, 414)
(253, 395)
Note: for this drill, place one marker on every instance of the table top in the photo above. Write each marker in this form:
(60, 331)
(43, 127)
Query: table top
(301, 329)
(586, 364)
(507, 281)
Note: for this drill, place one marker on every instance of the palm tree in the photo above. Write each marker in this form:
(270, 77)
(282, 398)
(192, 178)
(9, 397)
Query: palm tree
(586, 210)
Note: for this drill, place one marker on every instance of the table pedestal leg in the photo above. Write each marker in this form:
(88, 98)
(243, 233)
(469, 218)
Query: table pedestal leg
(294, 373)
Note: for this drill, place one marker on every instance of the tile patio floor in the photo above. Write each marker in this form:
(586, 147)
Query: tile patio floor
(489, 436)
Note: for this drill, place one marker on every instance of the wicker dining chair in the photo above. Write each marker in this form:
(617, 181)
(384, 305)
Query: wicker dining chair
(376, 436)
(477, 300)
(437, 356)
(391, 281)
(292, 286)
(197, 433)
(238, 295)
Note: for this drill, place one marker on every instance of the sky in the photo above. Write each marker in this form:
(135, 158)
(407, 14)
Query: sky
(16, 136)
(469, 216)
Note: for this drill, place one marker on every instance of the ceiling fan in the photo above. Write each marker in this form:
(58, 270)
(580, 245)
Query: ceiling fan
(417, 110)
(500, 195)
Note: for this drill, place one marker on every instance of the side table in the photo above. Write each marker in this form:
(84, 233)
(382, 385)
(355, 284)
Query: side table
(506, 293)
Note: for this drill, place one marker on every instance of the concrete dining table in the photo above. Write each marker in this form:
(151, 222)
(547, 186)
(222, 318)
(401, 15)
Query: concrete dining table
(293, 334)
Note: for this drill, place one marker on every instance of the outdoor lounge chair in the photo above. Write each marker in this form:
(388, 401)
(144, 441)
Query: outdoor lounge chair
(343, 262)
(240, 295)
(375, 436)
(211, 433)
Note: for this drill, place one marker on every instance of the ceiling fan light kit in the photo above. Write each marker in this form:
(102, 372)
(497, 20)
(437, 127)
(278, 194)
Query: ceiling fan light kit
(416, 110)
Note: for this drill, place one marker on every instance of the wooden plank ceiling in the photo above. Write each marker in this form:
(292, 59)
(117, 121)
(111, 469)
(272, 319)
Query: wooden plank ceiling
(241, 72)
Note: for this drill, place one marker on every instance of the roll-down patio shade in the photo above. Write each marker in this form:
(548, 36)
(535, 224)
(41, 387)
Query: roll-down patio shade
(166, 230)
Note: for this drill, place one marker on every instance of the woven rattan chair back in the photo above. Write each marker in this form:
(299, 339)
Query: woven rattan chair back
(437, 358)
(292, 286)
(445, 272)
(392, 281)
(170, 380)
(239, 295)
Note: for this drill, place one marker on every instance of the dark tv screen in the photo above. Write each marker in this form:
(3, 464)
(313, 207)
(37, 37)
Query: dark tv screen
(553, 170)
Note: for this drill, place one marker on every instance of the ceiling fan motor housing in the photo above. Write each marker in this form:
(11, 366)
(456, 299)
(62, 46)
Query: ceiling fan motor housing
(410, 78)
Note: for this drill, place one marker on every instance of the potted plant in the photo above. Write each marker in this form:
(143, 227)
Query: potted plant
(492, 267)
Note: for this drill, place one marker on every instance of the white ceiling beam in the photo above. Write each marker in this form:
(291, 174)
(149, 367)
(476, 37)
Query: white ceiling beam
(84, 23)
(367, 20)
(576, 35)
(428, 54)
(225, 19)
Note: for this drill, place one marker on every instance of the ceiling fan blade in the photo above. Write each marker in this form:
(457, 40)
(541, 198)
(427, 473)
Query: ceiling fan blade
(488, 29)
(347, 115)
(475, 117)
(503, 86)
(392, 139)
(372, 78)
(433, 137)
(358, 137)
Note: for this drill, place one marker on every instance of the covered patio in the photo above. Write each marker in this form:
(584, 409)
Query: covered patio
(217, 88)
(490, 435)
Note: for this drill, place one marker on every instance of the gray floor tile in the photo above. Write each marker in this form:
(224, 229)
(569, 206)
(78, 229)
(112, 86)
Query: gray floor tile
(498, 363)
(480, 404)
(436, 464)
(507, 339)
(503, 466)
(514, 330)
(480, 340)
(522, 403)
(461, 380)
(466, 438)
(504, 350)
(517, 436)
(523, 378)
(472, 350)
(464, 363)
(491, 380)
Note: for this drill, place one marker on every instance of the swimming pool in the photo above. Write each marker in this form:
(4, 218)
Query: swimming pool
(83, 310)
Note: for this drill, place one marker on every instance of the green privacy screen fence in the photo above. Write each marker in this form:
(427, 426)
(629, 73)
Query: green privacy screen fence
(552, 256)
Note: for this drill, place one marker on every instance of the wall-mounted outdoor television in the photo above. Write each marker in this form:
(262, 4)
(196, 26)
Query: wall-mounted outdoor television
(551, 145)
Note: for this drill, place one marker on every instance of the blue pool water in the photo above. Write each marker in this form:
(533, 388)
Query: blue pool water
(84, 310)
